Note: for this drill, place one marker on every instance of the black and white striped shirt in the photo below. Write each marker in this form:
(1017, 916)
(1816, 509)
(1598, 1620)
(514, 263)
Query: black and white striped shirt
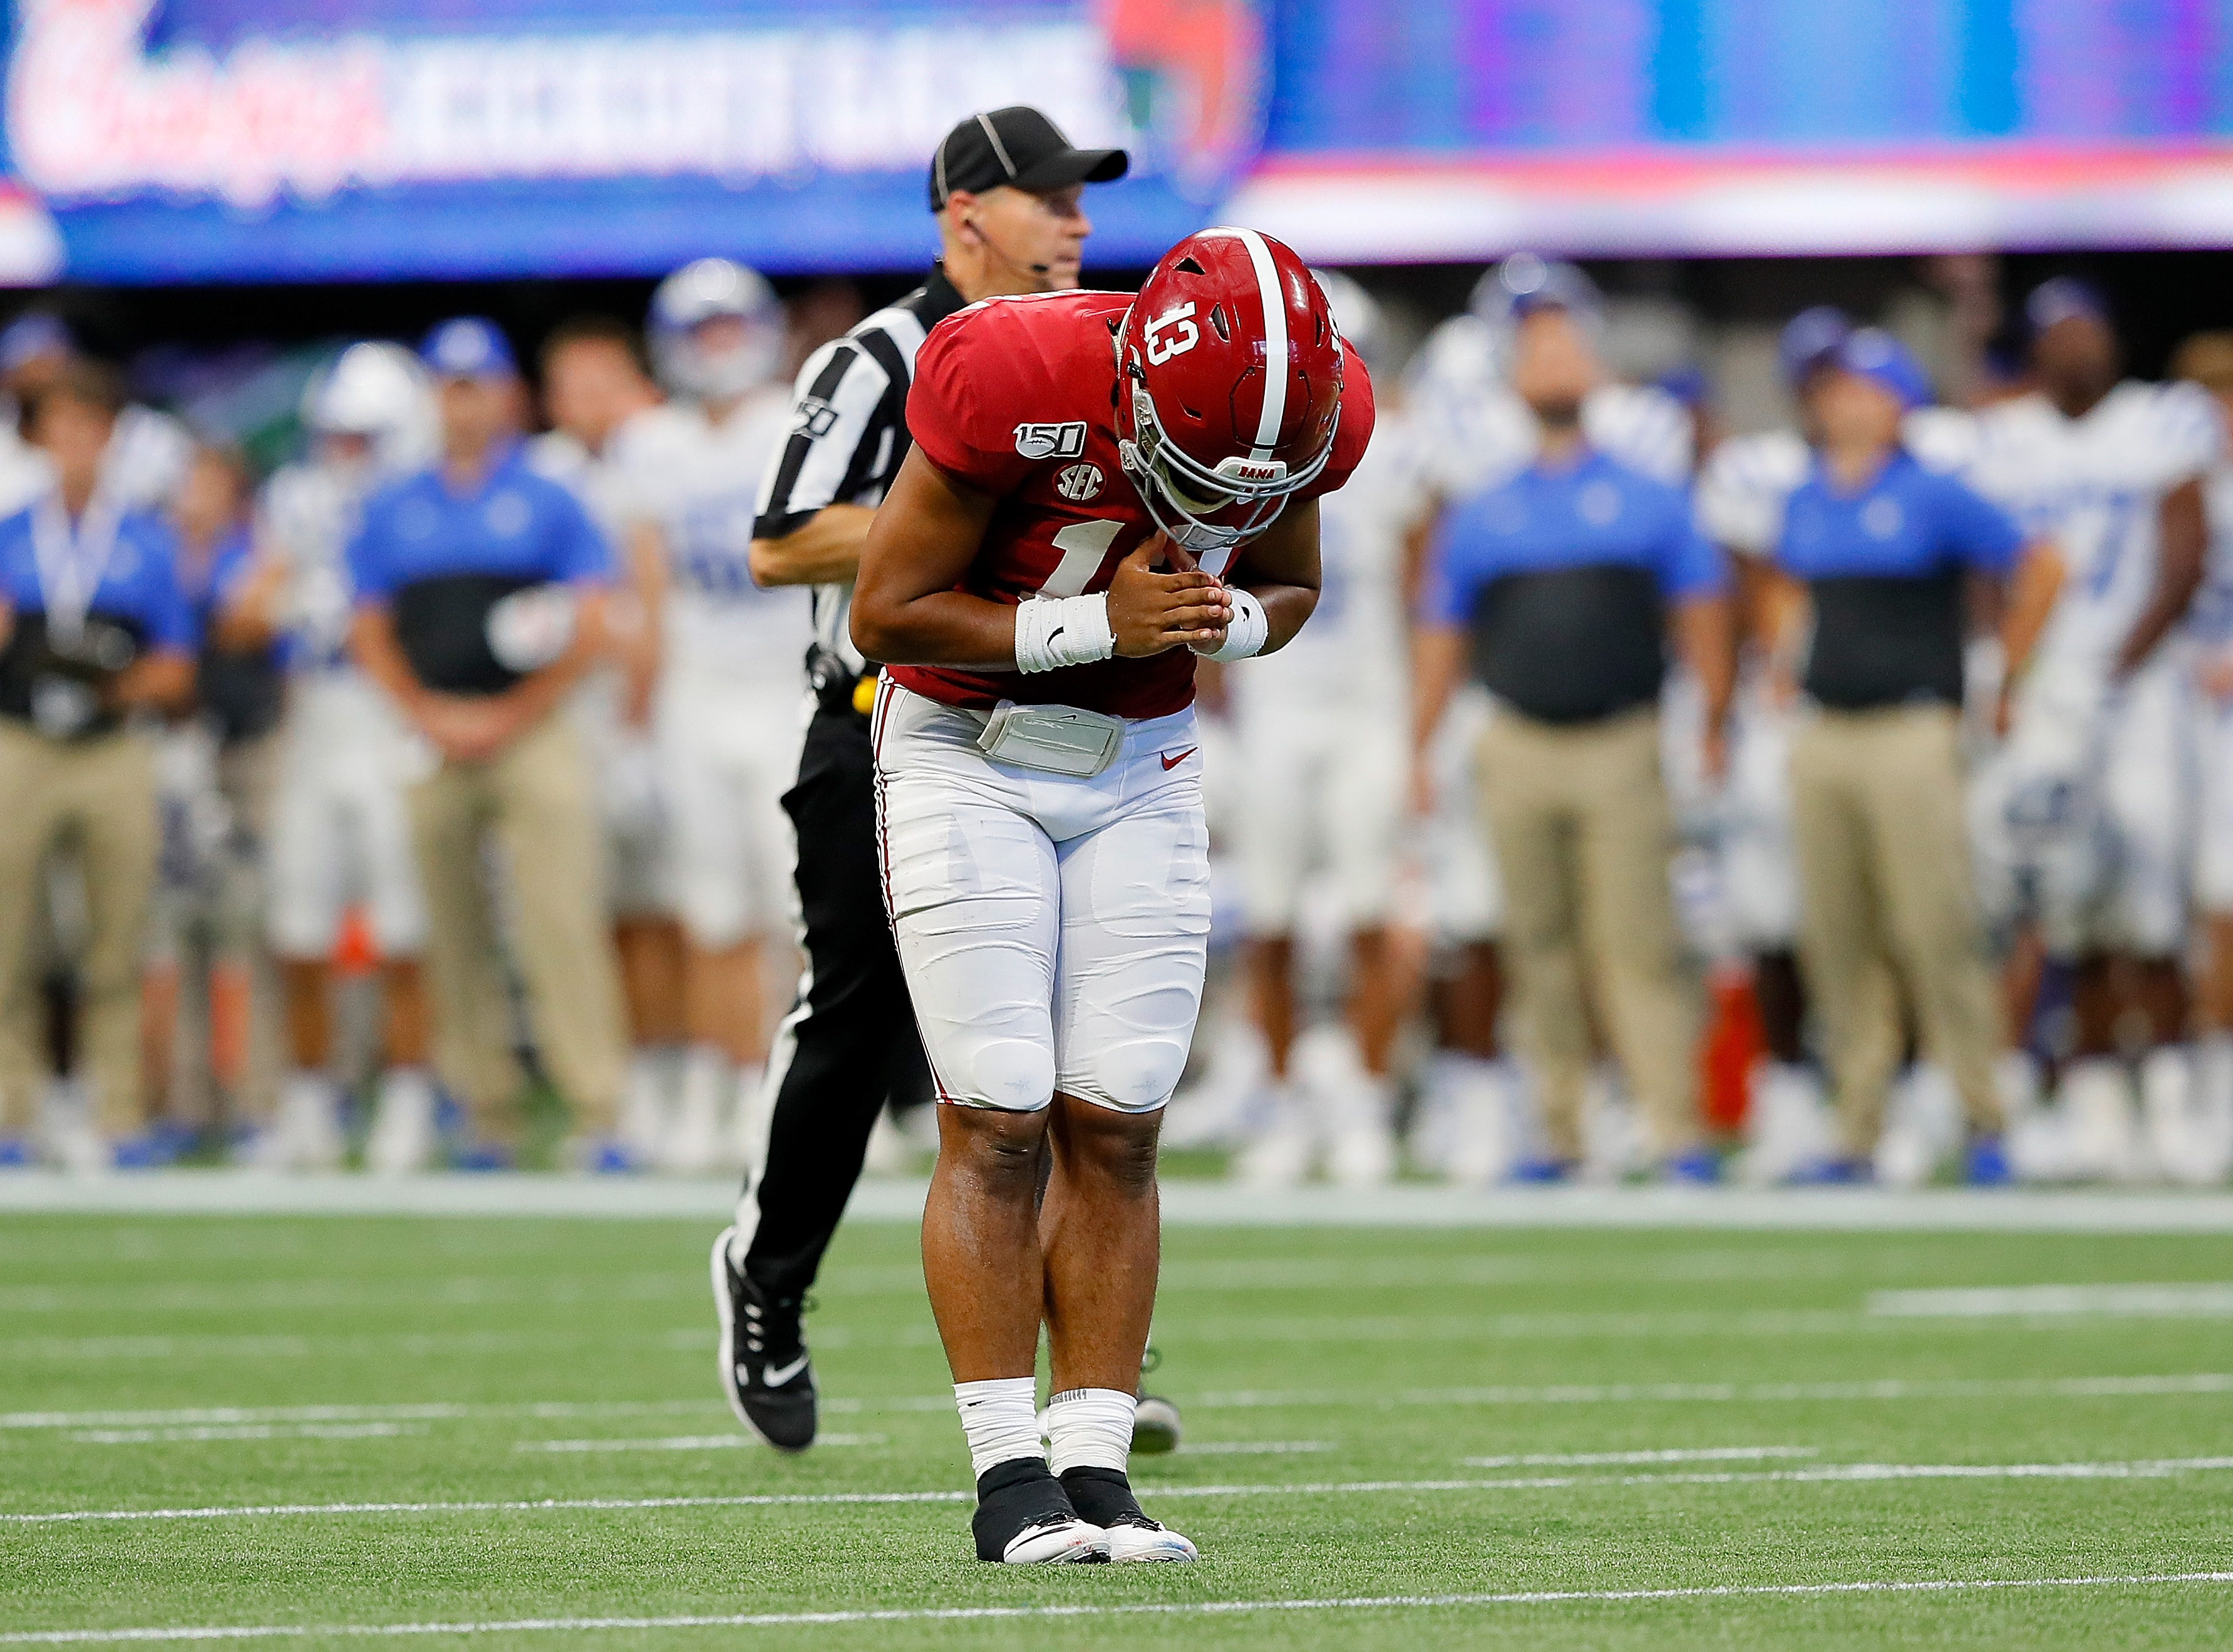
(848, 435)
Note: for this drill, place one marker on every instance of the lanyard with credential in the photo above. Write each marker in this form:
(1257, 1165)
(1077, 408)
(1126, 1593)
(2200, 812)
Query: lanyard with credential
(73, 560)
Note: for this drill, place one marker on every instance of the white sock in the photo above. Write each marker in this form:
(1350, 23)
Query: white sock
(1000, 1417)
(1090, 1428)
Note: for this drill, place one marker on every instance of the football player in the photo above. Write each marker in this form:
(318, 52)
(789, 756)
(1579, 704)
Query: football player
(1322, 776)
(2084, 803)
(338, 830)
(595, 393)
(728, 720)
(1100, 488)
(2198, 1147)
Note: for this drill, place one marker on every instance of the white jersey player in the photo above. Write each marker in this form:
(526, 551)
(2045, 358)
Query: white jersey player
(595, 393)
(1321, 784)
(2198, 1147)
(2083, 810)
(730, 717)
(339, 831)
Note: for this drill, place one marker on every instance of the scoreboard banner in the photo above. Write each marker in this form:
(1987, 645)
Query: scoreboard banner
(250, 140)
(1670, 127)
(166, 140)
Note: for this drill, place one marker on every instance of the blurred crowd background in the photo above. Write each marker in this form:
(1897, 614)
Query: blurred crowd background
(1865, 916)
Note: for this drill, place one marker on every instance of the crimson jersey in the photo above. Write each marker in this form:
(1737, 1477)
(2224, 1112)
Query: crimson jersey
(1013, 397)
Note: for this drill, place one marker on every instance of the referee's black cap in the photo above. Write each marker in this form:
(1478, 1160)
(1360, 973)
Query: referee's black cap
(1017, 145)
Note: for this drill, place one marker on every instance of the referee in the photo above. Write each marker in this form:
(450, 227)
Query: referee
(1006, 188)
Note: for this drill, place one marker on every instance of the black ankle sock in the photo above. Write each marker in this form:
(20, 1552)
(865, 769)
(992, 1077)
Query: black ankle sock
(1013, 1495)
(1101, 1495)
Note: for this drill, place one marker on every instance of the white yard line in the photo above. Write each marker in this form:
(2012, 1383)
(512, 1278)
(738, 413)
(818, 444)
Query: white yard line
(2083, 1388)
(229, 1415)
(1892, 1388)
(246, 1431)
(1239, 1449)
(2152, 1468)
(2210, 1301)
(1189, 1608)
(1185, 1203)
(1602, 1459)
(689, 1442)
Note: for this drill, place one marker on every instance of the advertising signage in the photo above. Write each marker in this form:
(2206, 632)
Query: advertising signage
(151, 141)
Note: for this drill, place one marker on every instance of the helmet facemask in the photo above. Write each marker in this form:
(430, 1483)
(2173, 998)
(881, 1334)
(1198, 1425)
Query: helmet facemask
(1206, 508)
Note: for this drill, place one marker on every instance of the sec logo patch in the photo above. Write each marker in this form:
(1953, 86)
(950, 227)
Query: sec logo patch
(1078, 483)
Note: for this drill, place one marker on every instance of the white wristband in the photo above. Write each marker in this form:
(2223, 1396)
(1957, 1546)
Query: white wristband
(1054, 632)
(1250, 630)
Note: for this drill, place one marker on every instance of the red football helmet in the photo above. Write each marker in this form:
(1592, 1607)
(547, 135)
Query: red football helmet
(1230, 392)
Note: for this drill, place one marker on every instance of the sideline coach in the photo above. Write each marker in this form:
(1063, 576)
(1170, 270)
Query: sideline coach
(1566, 581)
(1007, 189)
(1877, 793)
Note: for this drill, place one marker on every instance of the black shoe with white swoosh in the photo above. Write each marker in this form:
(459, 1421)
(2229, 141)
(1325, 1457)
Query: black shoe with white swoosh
(764, 1368)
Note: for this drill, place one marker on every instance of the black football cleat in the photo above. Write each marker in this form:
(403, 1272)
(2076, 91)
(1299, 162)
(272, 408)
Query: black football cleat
(1023, 1518)
(1105, 1497)
(764, 1368)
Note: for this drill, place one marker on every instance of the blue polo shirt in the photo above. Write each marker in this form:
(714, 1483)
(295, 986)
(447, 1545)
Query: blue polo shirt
(138, 585)
(1562, 574)
(443, 560)
(1884, 565)
(516, 526)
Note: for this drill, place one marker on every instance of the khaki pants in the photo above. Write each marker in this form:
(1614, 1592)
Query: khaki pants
(1891, 909)
(1578, 816)
(96, 797)
(534, 803)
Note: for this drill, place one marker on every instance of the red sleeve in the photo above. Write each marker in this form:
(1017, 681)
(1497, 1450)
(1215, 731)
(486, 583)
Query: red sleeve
(960, 409)
(1354, 433)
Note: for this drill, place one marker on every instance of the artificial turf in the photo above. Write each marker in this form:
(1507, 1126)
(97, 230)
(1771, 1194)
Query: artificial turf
(174, 1363)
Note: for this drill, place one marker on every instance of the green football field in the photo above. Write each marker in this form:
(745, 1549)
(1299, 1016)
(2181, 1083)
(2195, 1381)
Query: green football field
(505, 1431)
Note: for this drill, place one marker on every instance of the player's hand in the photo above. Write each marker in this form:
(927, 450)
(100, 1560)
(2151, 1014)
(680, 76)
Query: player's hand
(1714, 753)
(465, 729)
(1422, 786)
(2215, 676)
(1151, 613)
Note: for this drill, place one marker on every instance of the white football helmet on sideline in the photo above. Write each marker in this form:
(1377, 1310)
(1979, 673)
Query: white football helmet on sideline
(377, 393)
(716, 330)
(1356, 313)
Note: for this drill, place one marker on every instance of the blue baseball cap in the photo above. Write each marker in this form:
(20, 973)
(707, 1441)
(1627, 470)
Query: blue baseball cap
(468, 347)
(1525, 284)
(1875, 354)
(32, 336)
(1809, 339)
(2064, 298)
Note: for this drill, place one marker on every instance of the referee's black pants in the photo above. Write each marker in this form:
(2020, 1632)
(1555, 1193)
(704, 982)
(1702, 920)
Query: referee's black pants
(850, 1042)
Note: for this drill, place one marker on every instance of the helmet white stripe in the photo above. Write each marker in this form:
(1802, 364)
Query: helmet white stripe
(1275, 342)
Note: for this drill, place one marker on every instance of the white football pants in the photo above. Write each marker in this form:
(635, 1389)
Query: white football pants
(1053, 929)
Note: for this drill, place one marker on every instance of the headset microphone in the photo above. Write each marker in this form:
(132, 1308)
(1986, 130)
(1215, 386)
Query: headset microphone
(1001, 252)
